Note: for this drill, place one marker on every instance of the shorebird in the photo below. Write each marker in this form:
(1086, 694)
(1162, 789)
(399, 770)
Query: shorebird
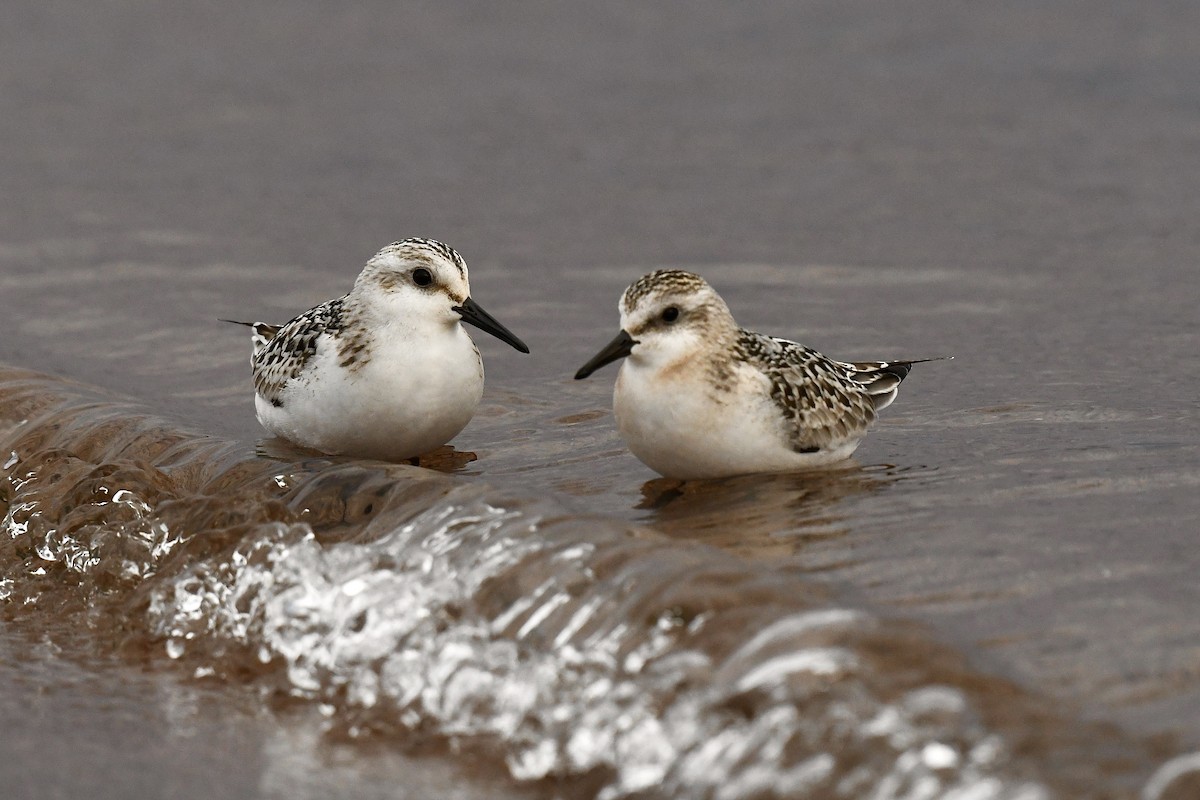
(700, 397)
(386, 371)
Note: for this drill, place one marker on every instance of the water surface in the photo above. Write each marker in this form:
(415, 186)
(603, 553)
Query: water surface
(1010, 185)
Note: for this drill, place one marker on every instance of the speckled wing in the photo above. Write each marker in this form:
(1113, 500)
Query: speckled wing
(821, 401)
(285, 355)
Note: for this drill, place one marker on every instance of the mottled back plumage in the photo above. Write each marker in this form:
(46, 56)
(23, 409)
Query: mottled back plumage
(820, 399)
(284, 357)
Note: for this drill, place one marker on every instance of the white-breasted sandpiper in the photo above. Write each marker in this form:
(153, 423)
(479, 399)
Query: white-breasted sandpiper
(386, 371)
(700, 397)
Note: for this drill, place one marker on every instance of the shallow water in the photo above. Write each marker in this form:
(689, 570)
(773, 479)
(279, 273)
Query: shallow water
(103, 726)
(438, 612)
(1009, 185)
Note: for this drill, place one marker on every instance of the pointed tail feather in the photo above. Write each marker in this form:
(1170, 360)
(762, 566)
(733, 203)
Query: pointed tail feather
(882, 378)
(263, 332)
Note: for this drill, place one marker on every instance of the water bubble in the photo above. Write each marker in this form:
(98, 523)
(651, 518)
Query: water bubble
(939, 756)
(534, 763)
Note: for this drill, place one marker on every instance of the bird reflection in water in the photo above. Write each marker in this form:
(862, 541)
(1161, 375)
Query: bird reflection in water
(761, 516)
(443, 459)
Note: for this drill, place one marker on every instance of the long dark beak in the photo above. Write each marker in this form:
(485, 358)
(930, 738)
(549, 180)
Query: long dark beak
(473, 313)
(617, 348)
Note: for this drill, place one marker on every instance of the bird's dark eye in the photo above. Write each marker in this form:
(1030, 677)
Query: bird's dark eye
(670, 314)
(422, 276)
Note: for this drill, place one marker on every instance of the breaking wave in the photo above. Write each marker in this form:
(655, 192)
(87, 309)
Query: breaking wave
(607, 660)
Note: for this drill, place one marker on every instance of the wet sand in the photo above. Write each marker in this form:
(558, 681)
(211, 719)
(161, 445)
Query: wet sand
(1011, 185)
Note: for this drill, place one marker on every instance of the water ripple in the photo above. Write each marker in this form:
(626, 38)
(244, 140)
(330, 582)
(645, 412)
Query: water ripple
(618, 662)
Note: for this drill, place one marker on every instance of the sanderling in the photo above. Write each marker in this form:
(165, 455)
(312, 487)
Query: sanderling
(699, 397)
(384, 372)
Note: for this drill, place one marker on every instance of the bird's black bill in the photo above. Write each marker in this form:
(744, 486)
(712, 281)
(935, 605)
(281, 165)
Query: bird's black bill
(471, 312)
(617, 348)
